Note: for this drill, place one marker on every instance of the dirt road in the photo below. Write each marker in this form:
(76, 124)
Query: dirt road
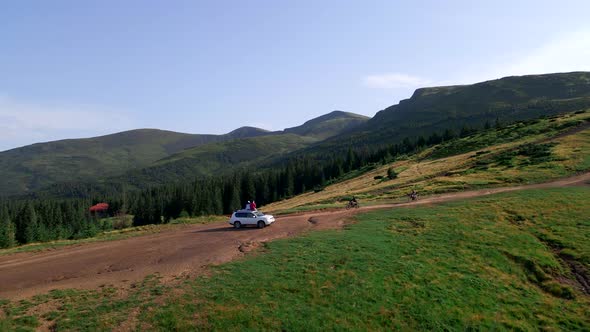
(186, 250)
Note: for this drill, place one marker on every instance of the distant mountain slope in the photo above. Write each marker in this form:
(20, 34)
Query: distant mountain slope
(245, 132)
(34, 166)
(509, 98)
(328, 125)
(214, 159)
(435, 109)
(155, 156)
(224, 157)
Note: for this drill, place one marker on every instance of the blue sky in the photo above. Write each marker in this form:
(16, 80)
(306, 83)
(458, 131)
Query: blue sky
(72, 69)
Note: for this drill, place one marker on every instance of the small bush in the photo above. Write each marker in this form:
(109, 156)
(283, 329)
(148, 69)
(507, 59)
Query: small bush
(317, 189)
(391, 174)
(378, 177)
(557, 289)
(122, 222)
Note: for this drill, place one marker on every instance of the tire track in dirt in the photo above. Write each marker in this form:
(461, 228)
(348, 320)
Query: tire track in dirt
(183, 251)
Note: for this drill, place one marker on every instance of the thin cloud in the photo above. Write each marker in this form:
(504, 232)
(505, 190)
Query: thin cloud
(394, 81)
(24, 123)
(567, 52)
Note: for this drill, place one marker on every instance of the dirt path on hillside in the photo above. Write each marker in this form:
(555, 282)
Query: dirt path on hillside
(183, 251)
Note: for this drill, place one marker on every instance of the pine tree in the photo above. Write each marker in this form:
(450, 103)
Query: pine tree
(289, 182)
(465, 131)
(448, 135)
(7, 231)
(27, 222)
(391, 174)
(350, 161)
(234, 203)
(248, 189)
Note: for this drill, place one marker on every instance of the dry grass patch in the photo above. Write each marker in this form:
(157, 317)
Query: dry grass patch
(491, 166)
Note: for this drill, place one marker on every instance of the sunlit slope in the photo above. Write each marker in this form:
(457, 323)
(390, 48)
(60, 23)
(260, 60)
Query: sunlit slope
(536, 151)
(328, 125)
(435, 109)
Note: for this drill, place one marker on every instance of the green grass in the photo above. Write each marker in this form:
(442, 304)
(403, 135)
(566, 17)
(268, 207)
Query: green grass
(304, 208)
(494, 263)
(456, 266)
(522, 153)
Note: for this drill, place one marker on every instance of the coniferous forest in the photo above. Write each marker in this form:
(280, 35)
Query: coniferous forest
(44, 219)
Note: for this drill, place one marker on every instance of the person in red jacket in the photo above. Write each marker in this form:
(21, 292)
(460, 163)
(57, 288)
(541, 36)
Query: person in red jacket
(253, 206)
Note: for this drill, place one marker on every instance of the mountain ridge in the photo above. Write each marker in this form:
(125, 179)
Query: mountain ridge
(38, 165)
(436, 109)
(336, 120)
(427, 113)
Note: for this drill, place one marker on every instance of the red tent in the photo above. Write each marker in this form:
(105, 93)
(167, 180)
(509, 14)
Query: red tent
(100, 207)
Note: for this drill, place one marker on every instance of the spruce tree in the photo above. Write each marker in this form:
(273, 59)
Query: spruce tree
(28, 220)
(7, 231)
(391, 174)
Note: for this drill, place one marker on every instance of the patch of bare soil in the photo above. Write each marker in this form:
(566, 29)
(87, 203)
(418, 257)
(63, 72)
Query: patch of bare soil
(179, 252)
(581, 280)
(249, 246)
(579, 272)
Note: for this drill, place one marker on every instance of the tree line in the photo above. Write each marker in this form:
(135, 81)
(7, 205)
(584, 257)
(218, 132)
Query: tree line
(39, 220)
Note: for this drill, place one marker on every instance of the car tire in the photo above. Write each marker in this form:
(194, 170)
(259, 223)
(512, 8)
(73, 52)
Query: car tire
(237, 225)
(261, 224)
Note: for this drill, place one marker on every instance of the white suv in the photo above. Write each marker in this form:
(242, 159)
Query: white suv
(247, 217)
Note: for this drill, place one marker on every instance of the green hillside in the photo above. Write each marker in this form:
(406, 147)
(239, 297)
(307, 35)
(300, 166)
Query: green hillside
(145, 157)
(161, 157)
(516, 260)
(436, 109)
(35, 166)
(329, 125)
(224, 157)
(530, 151)
(215, 159)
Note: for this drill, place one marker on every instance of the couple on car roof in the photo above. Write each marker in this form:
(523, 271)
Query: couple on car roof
(251, 206)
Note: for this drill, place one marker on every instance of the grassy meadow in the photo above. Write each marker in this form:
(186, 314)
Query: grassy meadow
(503, 262)
(522, 153)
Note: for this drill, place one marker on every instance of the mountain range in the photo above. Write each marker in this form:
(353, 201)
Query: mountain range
(146, 157)
(141, 152)
(436, 109)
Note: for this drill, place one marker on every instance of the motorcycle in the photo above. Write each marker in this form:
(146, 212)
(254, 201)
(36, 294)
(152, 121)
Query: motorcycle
(352, 205)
